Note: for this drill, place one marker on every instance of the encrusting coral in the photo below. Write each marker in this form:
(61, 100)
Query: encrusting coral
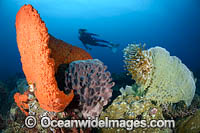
(129, 107)
(179, 110)
(132, 90)
(164, 78)
(41, 54)
(127, 91)
(92, 83)
(190, 124)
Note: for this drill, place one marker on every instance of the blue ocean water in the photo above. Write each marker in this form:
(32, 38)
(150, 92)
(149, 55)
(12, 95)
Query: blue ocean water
(172, 24)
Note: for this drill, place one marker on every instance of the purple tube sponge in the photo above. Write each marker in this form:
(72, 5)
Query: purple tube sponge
(93, 85)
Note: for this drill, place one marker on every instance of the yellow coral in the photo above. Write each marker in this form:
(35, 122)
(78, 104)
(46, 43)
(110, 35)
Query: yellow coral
(167, 80)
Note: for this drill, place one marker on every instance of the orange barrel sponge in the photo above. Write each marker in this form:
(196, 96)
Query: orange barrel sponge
(41, 54)
(64, 53)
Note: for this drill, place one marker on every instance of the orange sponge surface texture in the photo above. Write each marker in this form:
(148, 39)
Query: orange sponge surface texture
(41, 54)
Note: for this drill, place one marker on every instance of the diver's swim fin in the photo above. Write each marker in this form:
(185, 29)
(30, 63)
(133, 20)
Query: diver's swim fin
(114, 47)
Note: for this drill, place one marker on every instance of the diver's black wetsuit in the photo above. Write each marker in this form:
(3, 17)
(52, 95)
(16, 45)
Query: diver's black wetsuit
(88, 39)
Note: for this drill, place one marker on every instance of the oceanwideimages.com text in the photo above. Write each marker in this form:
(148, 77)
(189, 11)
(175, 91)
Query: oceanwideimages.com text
(46, 122)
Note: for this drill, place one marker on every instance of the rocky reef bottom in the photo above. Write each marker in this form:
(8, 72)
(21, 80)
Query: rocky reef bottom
(122, 106)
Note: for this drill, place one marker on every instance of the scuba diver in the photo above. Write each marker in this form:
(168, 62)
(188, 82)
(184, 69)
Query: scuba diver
(89, 39)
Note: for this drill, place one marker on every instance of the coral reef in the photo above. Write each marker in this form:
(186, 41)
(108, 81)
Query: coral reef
(8, 88)
(121, 80)
(15, 120)
(41, 54)
(92, 83)
(132, 90)
(179, 110)
(164, 78)
(127, 91)
(190, 124)
(2, 123)
(11, 82)
(82, 73)
(128, 107)
(22, 85)
(4, 98)
(59, 75)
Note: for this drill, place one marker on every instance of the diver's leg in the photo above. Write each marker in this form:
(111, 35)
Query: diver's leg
(109, 44)
(99, 40)
(102, 45)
